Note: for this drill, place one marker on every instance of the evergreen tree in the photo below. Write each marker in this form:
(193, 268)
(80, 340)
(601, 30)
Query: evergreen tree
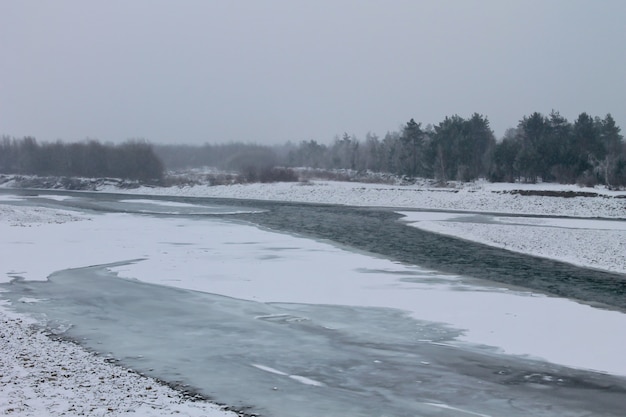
(554, 148)
(533, 131)
(447, 137)
(505, 156)
(412, 139)
(475, 149)
(611, 139)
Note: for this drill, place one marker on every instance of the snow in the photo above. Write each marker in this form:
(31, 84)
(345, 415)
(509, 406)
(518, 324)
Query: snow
(588, 243)
(160, 203)
(464, 412)
(479, 196)
(44, 377)
(254, 264)
(58, 197)
(35, 216)
(299, 378)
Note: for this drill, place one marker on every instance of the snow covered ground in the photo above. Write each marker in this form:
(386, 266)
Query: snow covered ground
(479, 196)
(44, 377)
(33, 379)
(589, 243)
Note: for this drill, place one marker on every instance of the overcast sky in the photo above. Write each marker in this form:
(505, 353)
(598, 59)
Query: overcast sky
(272, 71)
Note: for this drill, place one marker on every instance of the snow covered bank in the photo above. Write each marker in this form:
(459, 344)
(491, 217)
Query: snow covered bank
(34, 216)
(589, 243)
(479, 196)
(40, 376)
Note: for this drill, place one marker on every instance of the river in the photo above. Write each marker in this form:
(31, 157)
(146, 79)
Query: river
(286, 359)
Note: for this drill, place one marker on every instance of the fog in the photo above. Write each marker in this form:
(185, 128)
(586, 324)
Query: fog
(273, 71)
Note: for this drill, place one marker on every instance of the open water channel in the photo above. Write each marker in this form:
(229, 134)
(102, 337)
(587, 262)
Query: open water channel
(278, 359)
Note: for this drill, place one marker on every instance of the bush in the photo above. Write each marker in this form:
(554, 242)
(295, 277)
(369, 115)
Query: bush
(276, 174)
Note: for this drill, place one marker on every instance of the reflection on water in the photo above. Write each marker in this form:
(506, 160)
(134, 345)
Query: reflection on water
(304, 360)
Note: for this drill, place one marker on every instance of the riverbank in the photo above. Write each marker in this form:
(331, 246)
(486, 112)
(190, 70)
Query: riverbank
(45, 376)
(505, 198)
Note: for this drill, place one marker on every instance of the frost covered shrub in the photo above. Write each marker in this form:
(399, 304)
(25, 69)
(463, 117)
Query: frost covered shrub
(588, 179)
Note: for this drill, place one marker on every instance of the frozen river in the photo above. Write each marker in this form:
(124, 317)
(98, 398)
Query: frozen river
(280, 325)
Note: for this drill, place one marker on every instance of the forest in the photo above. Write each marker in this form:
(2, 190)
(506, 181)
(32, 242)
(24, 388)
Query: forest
(134, 160)
(549, 148)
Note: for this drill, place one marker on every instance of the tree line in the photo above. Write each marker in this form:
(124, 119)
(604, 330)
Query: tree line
(589, 151)
(548, 148)
(462, 150)
(134, 160)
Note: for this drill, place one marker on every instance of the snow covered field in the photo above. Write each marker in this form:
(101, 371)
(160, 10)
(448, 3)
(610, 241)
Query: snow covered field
(479, 196)
(515, 322)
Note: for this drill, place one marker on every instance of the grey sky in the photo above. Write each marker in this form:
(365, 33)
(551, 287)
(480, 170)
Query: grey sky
(272, 71)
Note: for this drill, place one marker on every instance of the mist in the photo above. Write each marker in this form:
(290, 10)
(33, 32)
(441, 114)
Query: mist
(214, 72)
